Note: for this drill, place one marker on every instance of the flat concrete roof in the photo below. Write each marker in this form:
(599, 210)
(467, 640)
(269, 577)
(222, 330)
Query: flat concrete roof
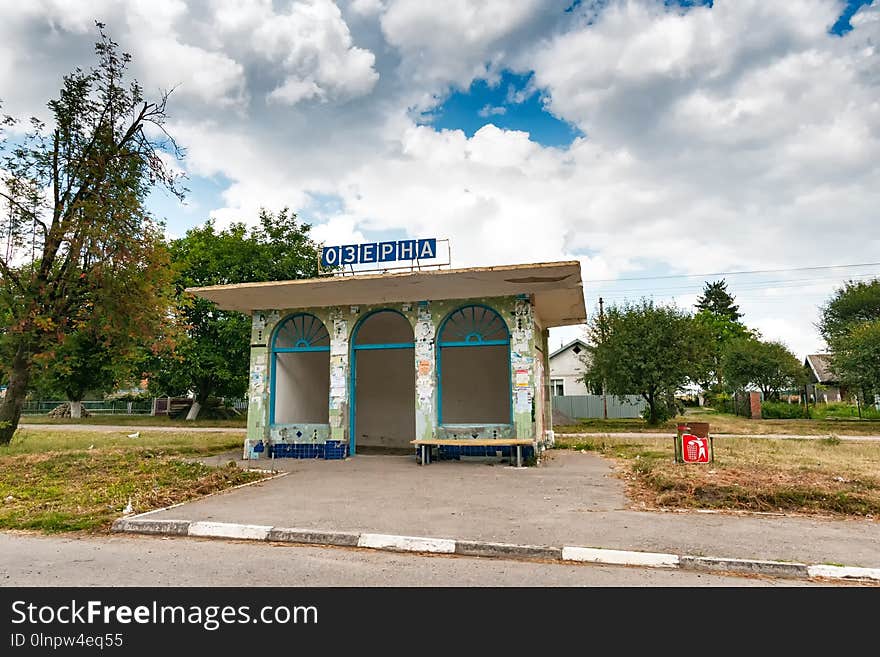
(556, 286)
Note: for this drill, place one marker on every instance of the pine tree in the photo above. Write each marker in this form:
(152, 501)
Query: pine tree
(717, 300)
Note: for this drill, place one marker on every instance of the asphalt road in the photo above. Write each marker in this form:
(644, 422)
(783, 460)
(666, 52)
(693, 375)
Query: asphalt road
(34, 560)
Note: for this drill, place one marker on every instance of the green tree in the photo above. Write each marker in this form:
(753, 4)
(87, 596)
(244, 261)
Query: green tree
(856, 358)
(850, 324)
(718, 331)
(854, 303)
(768, 366)
(82, 254)
(212, 359)
(652, 351)
(83, 363)
(718, 301)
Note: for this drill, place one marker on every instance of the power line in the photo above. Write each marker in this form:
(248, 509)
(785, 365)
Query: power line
(734, 273)
(745, 285)
(740, 294)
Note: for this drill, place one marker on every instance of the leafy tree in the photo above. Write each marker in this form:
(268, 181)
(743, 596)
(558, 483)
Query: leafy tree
(81, 364)
(718, 331)
(850, 324)
(82, 254)
(212, 360)
(854, 303)
(768, 366)
(718, 301)
(856, 358)
(653, 351)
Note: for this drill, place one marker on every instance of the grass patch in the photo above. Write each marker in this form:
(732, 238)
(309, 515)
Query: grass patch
(806, 476)
(54, 481)
(31, 441)
(731, 424)
(134, 420)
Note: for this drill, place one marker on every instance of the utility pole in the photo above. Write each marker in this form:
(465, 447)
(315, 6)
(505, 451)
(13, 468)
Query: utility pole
(602, 324)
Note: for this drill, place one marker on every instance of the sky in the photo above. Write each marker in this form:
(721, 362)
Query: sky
(654, 141)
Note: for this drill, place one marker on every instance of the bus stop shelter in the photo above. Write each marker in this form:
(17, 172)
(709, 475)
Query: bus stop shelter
(341, 364)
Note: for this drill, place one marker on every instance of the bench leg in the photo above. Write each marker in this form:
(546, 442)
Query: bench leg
(519, 456)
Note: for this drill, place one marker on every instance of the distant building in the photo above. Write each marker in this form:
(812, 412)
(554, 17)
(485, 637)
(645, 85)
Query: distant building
(823, 385)
(567, 369)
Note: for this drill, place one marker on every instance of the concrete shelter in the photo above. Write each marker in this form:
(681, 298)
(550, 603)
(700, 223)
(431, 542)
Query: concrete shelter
(340, 363)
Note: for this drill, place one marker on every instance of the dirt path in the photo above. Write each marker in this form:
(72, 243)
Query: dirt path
(645, 434)
(128, 428)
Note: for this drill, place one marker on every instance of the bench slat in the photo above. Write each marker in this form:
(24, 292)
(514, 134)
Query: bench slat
(477, 442)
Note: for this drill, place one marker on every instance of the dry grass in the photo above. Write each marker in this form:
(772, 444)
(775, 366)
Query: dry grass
(82, 481)
(731, 424)
(752, 474)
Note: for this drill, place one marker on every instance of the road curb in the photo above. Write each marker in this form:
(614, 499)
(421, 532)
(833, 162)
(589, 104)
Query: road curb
(431, 545)
(146, 526)
(747, 566)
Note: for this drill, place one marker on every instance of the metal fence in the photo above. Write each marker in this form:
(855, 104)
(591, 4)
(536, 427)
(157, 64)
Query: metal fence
(105, 407)
(579, 407)
(113, 407)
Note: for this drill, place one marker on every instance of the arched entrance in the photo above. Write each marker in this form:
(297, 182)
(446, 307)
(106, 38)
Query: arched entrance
(300, 353)
(473, 368)
(383, 386)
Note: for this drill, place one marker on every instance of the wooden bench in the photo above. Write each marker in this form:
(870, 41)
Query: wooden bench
(425, 454)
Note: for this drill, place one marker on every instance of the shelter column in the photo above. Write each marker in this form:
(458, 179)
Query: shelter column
(426, 379)
(339, 393)
(258, 389)
(522, 366)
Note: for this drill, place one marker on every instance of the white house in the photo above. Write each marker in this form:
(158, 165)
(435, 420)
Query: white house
(567, 368)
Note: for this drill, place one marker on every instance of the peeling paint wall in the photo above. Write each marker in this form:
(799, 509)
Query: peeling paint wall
(425, 317)
(522, 367)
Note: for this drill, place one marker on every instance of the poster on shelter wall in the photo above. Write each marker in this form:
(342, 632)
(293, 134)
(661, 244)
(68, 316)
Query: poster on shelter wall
(522, 378)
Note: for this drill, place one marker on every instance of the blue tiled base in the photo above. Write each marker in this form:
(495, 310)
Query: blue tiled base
(332, 449)
(448, 452)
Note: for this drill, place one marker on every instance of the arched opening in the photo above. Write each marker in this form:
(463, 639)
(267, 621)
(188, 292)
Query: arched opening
(300, 358)
(473, 367)
(383, 382)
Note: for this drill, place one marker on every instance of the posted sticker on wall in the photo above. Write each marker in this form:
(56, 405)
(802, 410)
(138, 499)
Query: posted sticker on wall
(424, 367)
(522, 378)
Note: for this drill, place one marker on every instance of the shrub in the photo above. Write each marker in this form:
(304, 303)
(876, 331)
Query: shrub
(783, 411)
(721, 402)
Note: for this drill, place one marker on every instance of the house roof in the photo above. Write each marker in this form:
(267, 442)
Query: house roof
(576, 341)
(556, 287)
(820, 366)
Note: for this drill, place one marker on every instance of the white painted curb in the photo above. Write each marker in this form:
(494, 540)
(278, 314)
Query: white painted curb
(844, 572)
(391, 542)
(229, 530)
(407, 543)
(620, 557)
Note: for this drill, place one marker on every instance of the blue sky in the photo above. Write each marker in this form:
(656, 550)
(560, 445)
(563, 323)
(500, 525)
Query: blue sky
(645, 138)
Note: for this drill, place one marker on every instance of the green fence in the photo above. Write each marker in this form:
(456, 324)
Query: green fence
(106, 407)
(592, 406)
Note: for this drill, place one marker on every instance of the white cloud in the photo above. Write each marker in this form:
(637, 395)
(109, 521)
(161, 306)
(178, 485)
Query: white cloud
(490, 110)
(313, 45)
(459, 40)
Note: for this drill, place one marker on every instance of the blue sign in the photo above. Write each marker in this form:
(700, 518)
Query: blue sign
(356, 254)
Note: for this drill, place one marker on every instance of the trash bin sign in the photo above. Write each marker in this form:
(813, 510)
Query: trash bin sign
(693, 444)
(695, 449)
